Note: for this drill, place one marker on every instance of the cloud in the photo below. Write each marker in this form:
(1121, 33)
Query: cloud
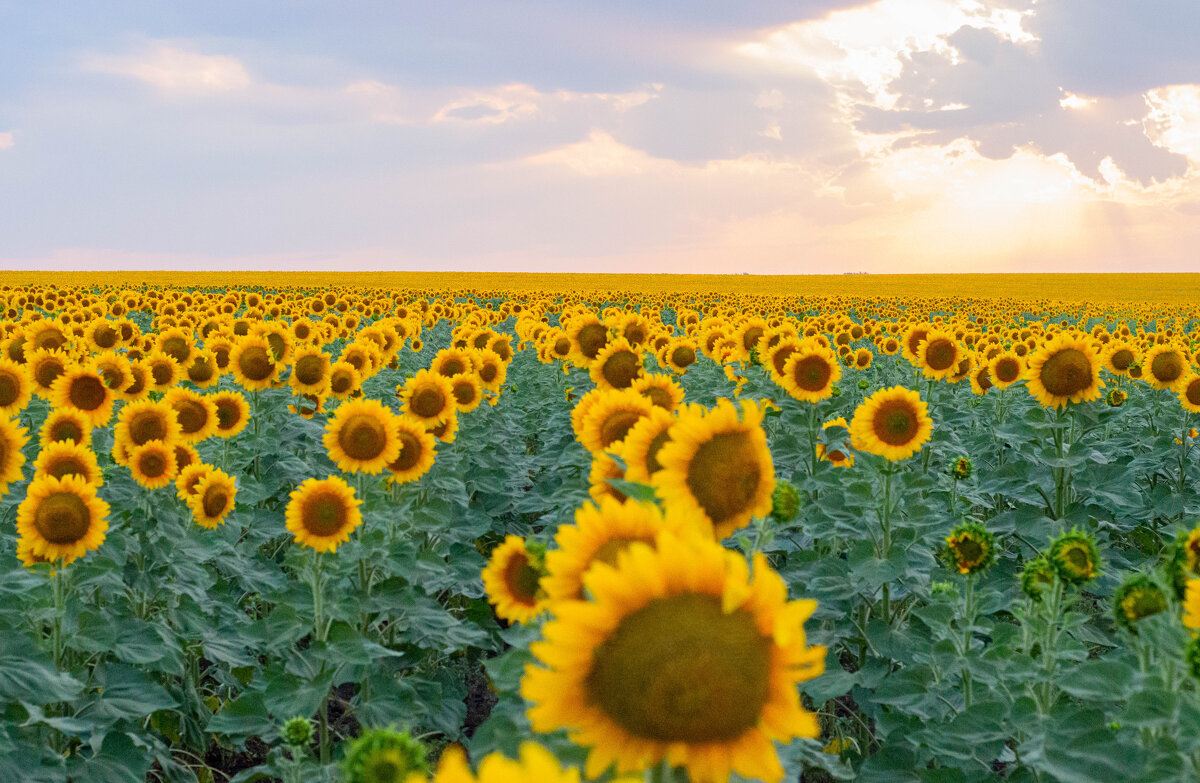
(7, 140)
(174, 69)
(1173, 121)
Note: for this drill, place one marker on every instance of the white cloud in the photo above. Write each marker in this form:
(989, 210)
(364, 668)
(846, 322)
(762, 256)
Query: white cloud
(7, 140)
(172, 68)
(1072, 101)
(601, 155)
(1173, 121)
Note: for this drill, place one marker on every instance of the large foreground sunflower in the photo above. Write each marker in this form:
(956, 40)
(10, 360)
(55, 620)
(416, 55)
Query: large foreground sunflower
(892, 423)
(1065, 369)
(62, 518)
(322, 513)
(679, 656)
(535, 764)
(716, 467)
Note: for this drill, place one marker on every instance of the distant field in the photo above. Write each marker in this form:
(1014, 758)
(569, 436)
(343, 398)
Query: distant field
(1156, 288)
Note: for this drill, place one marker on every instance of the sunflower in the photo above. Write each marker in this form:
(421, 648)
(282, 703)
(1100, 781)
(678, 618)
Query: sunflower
(679, 656)
(379, 756)
(1005, 369)
(16, 387)
(450, 362)
(604, 467)
(62, 518)
(445, 431)
(310, 371)
(599, 533)
(140, 422)
(68, 458)
(611, 416)
(662, 390)
(196, 414)
(83, 389)
(44, 367)
(616, 366)
(189, 478)
(322, 513)
(362, 437)
(233, 413)
(1165, 366)
(428, 397)
(588, 336)
(344, 380)
(417, 451)
(467, 391)
(152, 464)
(1189, 392)
(115, 370)
(891, 423)
(1191, 605)
(1037, 577)
(1118, 356)
(212, 498)
(65, 424)
(13, 438)
(839, 457)
(185, 455)
(1138, 597)
(1065, 369)
(27, 557)
(810, 372)
(139, 385)
(1074, 557)
(253, 363)
(513, 578)
(717, 467)
(202, 369)
(642, 444)
(490, 369)
(680, 354)
(970, 548)
(938, 354)
(164, 371)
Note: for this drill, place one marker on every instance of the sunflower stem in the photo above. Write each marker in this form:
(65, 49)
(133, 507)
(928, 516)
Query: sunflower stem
(320, 632)
(969, 611)
(885, 544)
(1183, 448)
(59, 603)
(254, 417)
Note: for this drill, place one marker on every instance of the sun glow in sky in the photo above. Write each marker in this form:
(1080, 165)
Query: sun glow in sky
(777, 137)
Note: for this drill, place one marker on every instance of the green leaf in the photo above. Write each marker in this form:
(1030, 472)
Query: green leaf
(1099, 680)
(245, 716)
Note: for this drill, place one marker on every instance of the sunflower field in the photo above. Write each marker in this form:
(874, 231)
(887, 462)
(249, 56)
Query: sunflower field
(377, 530)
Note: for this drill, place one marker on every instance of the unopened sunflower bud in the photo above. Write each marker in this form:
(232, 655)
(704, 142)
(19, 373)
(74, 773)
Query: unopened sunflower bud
(962, 468)
(297, 731)
(785, 501)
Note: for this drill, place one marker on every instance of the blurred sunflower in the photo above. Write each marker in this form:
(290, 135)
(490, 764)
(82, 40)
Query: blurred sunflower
(196, 414)
(679, 656)
(13, 438)
(643, 442)
(662, 390)
(16, 387)
(840, 458)
(610, 417)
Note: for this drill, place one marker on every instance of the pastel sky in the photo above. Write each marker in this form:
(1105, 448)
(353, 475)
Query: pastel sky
(783, 136)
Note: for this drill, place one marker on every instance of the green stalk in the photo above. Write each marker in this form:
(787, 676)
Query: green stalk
(59, 604)
(320, 632)
(969, 621)
(885, 544)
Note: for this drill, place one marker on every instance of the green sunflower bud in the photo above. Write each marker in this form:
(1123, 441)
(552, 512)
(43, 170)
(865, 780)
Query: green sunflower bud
(1037, 577)
(785, 501)
(297, 731)
(1136, 598)
(970, 548)
(383, 756)
(962, 468)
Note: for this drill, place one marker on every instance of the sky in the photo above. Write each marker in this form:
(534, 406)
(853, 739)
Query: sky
(708, 136)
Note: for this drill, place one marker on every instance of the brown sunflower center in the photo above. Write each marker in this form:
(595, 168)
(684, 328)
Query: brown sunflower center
(278, 345)
(410, 453)
(658, 396)
(87, 393)
(192, 415)
(147, 426)
(681, 670)
(105, 336)
(724, 475)
(608, 551)
(592, 338)
(66, 430)
(896, 423)
(427, 402)
(10, 388)
(452, 366)
(487, 373)
(812, 373)
(940, 354)
(152, 464)
(635, 333)
(228, 414)
(968, 550)
(522, 579)
(1121, 359)
(1192, 392)
(324, 514)
(340, 382)
(683, 356)
(617, 425)
(62, 518)
(1008, 370)
(201, 369)
(161, 372)
(309, 370)
(46, 372)
(914, 339)
(177, 348)
(465, 392)
(1067, 371)
(751, 337)
(621, 368)
(215, 501)
(255, 363)
(656, 444)
(362, 437)
(1166, 367)
(562, 346)
(780, 357)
